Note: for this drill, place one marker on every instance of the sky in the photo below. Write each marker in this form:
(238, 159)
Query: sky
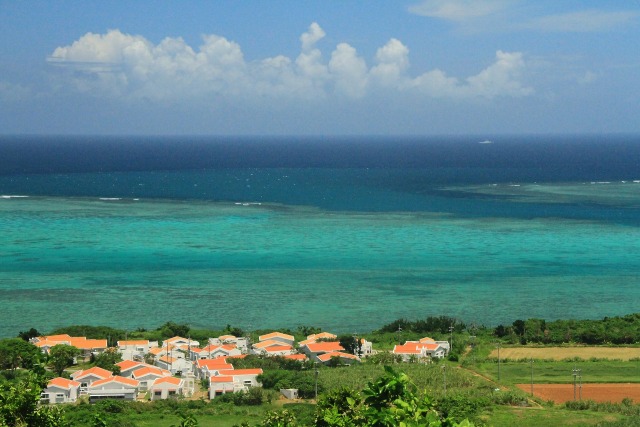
(333, 67)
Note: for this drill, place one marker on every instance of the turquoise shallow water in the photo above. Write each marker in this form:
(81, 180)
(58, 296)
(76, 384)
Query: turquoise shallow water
(130, 263)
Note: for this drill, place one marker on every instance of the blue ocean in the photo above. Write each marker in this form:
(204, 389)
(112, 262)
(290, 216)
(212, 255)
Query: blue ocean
(346, 234)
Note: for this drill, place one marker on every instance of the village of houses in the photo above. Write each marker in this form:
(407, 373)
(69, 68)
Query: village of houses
(181, 364)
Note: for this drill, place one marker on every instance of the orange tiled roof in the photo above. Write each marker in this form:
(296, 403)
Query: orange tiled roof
(226, 337)
(414, 347)
(267, 343)
(427, 340)
(324, 347)
(96, 371)
(60, 337)
(168, 359)
(226, 367)
(118, 379)
(169, 380)
(274, 335)
(150, 370)
(128, 364)
(236, 372)
(307, 341)
(157, 350)
(327, 356)
(87, 344)
(63, 383)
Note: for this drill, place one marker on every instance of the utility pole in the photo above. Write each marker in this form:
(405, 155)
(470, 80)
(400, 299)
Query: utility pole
(576, 373)
(531, 362)
(498, 345)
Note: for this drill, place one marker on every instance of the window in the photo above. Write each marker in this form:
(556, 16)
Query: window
(247, 383)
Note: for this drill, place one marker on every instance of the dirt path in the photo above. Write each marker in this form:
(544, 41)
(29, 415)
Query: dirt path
(533, 403)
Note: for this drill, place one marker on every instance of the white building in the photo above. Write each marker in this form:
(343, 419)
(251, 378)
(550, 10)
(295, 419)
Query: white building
(116, 387)
(60, 390)
(167, 387)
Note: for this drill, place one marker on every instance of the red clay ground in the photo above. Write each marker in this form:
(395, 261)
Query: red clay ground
(560, 393)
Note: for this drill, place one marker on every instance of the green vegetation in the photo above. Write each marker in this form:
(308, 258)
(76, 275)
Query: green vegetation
(547, 372)
(19, 404)
(379, 391)
(61, 357)
(610, 330)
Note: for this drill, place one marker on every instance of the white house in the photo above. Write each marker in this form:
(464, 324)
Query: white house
(86, 346)
(116, 387)
(89, 376)
(272, 348)
(60, 390)
(135, 349)
(240, 342)
(167, 387)
(278, 350)
(366, 348)
(219, 385)
(246, 377)
(147, 375)
(128, 366)
(178, 341)
(315, 349)
(205, 368)
(213, 351)
(232, 380)
(174, 365)
(425, 348)
(278, 336)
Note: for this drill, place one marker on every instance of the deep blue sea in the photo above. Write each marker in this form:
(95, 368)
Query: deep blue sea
(341, 233)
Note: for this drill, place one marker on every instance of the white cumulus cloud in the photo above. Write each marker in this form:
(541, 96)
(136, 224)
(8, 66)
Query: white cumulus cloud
(130, 66)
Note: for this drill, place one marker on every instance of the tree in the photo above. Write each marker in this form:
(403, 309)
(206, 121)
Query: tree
(17, 353)
(391, 400)
(172, 329)
(107, 360)
(27, 335)
(62, 356)
(350, 344)
(19, 405)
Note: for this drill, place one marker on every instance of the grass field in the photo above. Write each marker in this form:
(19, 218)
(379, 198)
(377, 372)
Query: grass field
(504, 416)
(548, 372)
(561, 353)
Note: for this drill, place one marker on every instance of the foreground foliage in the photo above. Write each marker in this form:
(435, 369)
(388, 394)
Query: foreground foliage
(391, 400)
(19, 405)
